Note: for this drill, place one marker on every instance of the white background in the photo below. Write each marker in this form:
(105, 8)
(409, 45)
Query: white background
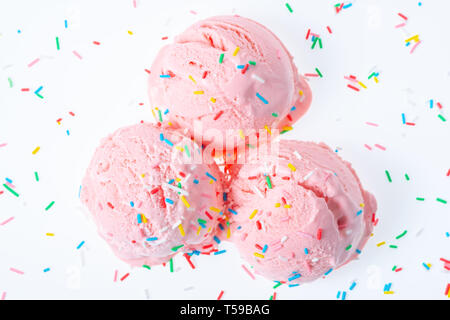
(104, 90)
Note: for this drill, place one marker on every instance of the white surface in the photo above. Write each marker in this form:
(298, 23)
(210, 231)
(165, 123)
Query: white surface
(104, 90)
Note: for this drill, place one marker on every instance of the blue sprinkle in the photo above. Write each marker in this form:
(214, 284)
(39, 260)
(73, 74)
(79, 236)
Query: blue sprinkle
(161, 137)
(132, 204)
(152, 239)
(68, 132)
(168, 142)
(306, 251)
(343, 295)
(209, 175)
(164, 75)
(239, 228)
(241, 66)
(262, 98)
(38, 89)
(358, 251)
(47, 270)
(170, 201)
(359, 212)
(431, 104)
(80, 245)
(202, 225)
(8, 180)
(139, 218)
(225, 196)
(196, 252)
(219, 252)
(298, 275)
(216, 239)
(407, 44)
(338, 295)
(293, 285)
(403, 118)
(166, 112)
(353, 285)
(196, 181)
(293, 108)
(425, 265)
(447, 234)
(171, 181)
(265, 248)
(65, 24)
(232, 211)
(347, 6)
(221, 227)
(328, 272)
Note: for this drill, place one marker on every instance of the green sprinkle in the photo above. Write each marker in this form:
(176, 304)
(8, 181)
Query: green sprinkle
(289, 7)
(420, 199)
(314, 43)
(10, 82)
(348, 248)
(277, 285)
(187, 150)
(39, 95)
(10, 190)
(171, 265)
(271, 298)
(57, 43)
(401, 235)
(36, 176)
(393, 247)
(441, 117)
(284, 131)
(406, 177)
(373, 73)
(146, 267)
(320, 43)
(388, 176)
(201, 221)
(50, 205)
(394, 267)
(319, 73)
(177, 247)
(253, 63)
(221, 57)
(441, 200)
(269, 183)
(160, 116)
(275, 114)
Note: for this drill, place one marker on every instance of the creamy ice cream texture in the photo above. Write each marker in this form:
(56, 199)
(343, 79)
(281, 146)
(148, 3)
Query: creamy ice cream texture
(228, 72)
(147, 200)
(300, 215)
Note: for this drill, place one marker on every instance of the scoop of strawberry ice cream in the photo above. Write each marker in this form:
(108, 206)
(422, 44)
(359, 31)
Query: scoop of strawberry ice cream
(300, 214)
(227, 73)
(148, 196)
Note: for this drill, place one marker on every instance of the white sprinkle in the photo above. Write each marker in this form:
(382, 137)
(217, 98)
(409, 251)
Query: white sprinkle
(308, 175)
(314, 260)
(283, 240)
(254, 76)
(257, 191)
(183, 192)
(164, 229)
(282, 258)
(299, 157)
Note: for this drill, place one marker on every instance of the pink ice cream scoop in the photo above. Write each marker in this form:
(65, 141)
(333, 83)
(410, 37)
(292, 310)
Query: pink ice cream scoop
(227, 73)
(148, 197)
(300, 214)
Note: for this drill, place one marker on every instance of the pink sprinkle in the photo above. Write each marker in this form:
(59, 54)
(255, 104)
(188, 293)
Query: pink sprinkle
(116, 273)
(311, 75)
(10, 185)
(16, 271)
(380, 147)
(372, 124)
(193, 12)
(3, 145)
(315, 35)
(368, 147)
(400, 25)
(305, 234)
(77, 54)
(134, 3)
(7, 221)
(278, 54)
(32, 63)
(248, 272)
(415, 46)
(353, 79)
(3, 297)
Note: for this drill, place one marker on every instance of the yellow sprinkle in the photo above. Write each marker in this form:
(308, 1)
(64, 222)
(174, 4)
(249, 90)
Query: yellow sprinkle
(143, 175)
(169, 123)
(228, 233)
(180, 227)
(154, 116)
(199, 92)
(429, 265)
(214, 209)
(300, 92)
(236, 51)
(381, 243)
(287, 206)
(287, 128)
(389, 292)
(36, 150)
(253, 214)
(178, 179)
(198, 230)
(362, 205)
(193, 80)
(50, 234)
(185, 202)
(209, 229)
(277, 205)
(291, 167)
(415, 38)
(144, 219)
(376, 79)
(213, 100)
(259, 255)
(211, 181)
(130, 33)
(179, 148)
(268, 129)
(241, 134)
(362, 84)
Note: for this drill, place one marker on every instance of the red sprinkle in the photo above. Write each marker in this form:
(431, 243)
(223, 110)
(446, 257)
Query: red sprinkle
(308, 33)
(274, 296)
(96, 43)
(257, 246)
(148, 71)
(319, 234)
(72, 114)
(204, 74)
(447, 289)
(398, 270)
(245, 69)
(124, 277)
(401, 15)
(329, 29)
(182, 174)
(164, 38)
(188, 258)
(258, 225)
(25, 89)
(207, 246)
(439, 105)
(218, 115)
(289, 117)
(154, 191)
(209, 216)
(410, 123)
(220, 295)
(110, 205)
(352, 87)
(448, 173)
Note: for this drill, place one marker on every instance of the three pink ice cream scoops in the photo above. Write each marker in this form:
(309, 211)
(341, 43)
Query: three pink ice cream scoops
(294, 215)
